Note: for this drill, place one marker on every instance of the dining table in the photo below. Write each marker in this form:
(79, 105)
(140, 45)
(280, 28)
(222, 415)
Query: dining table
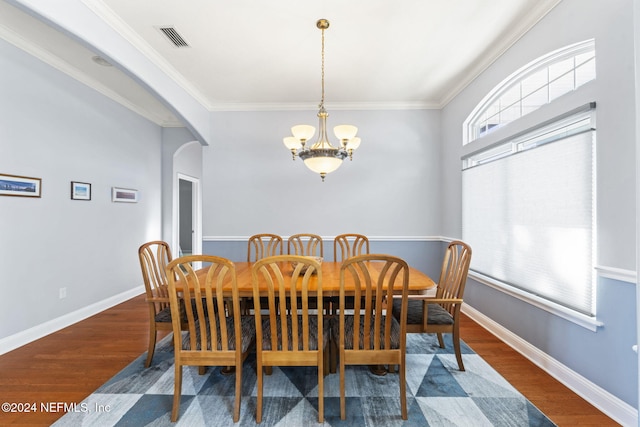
(419, 282)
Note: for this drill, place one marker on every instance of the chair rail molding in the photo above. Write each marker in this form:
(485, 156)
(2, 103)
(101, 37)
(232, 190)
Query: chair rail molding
(371, 238)
(614, 273)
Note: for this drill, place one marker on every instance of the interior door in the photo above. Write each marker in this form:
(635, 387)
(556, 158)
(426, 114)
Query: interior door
(186, 228)
(187, 223)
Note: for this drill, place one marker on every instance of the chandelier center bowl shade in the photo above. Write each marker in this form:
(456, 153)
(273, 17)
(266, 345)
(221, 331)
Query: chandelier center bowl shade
(321, 156)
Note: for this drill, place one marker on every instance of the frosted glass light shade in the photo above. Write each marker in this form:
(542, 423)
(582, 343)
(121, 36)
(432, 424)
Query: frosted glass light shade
(345, 131)
(303, 132)
(323, 165)
(292, 143)
(353, 143)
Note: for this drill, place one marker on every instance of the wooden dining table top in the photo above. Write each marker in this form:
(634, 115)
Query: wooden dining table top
(419, 282)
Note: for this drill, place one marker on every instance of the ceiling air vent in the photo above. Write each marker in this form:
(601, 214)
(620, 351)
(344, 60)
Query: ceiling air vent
(173, 35)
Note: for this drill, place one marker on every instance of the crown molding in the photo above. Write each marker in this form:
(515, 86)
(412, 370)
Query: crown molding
(538, 11)
(334, 106)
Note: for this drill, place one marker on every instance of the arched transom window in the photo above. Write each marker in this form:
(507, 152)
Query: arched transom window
(534, 85)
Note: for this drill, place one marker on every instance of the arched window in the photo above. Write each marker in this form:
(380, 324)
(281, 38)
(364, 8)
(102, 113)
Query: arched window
(529, 193)
(531, 87)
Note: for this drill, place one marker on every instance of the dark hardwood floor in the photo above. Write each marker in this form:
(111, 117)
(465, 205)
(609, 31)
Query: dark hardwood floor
(70, 364)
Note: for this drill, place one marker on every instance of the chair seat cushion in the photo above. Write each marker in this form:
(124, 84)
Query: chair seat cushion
(349, 325)
(313, 333)
(164, 315)
(436, 315)
(247, 325)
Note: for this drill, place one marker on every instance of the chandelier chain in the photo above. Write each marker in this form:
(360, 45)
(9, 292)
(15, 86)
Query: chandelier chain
(322, 73)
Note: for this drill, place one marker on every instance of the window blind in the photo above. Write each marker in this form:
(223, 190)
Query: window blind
(529, 215)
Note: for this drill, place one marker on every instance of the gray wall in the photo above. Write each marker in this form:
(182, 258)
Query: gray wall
(391, 188)
(57, 129)
(585, 352)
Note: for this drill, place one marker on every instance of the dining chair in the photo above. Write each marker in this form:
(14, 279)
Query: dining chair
(218, 334)
(441, 313)
(305, 244)
(263, 245)
(344, 246)
(349, 245)
(371, 335)
(295, 337)
(260, 246)
(154, 257)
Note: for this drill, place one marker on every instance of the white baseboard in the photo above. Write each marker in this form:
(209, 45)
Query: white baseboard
(613, 407)
(25, 337)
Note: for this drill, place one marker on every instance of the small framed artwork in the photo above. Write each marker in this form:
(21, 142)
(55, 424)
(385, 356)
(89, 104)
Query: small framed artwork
(124, 195)
(22, 186)
(80, 190)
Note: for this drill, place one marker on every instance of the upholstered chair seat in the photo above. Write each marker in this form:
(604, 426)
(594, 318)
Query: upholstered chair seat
(349, 323)
(313, 334)
(436, 314)
(248, 330)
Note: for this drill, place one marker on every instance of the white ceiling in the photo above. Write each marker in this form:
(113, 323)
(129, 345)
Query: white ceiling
(260, 55)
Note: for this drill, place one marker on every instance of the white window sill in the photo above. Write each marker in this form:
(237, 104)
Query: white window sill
(580, 319)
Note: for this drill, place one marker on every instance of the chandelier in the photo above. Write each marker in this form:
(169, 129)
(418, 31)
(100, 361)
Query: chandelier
(322, 157)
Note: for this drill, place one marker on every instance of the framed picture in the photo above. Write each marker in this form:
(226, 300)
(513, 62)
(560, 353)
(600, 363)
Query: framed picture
(22, 186)
(124, 195)
(80, 190)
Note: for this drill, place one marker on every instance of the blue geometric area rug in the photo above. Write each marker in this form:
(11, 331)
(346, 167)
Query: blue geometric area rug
(438, 394)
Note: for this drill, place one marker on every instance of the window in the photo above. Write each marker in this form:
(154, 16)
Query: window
(529, 212)
(534, 85)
